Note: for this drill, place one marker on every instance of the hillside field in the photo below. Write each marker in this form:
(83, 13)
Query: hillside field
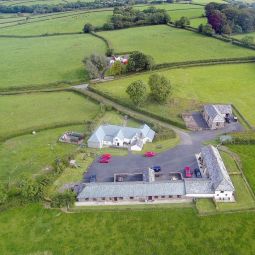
(240, 36)
(194, 86)
(167, 44)
(24, 112)
(35, 61)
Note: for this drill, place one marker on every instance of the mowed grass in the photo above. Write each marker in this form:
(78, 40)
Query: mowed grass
(73, 23)
(33, 229)
(166, 44)
(26, 112)
(34, 154)
(35, 61)
(194, 86)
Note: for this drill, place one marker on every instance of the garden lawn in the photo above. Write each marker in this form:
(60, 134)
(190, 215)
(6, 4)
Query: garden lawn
(37, 61)
(167, 44)
(34, 154)
(74, 22)
(194, 86)
(27, 112)
(34, 230)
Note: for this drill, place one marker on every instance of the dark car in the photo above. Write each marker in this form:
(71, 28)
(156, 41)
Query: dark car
(197, 173)
(156, 169)
(93, 178)
(227, 119)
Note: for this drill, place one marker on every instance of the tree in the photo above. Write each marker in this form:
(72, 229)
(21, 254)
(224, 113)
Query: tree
(137, 92)
(64, 199)
(88, 28)
(138, 61)
(96, 65)
(207, 30)
(117, 68)
(182, 22)
(109, 52)
(218, 20)
(247, 40)
(160, 87)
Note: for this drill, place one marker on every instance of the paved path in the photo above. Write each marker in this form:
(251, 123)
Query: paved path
(172, 160)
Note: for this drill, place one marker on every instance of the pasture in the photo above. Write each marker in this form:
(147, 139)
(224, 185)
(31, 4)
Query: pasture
(240, 36)
(72, 22)
(194, 86)
(167, 44)
(26, 112)
(45, 60)
(198, 21)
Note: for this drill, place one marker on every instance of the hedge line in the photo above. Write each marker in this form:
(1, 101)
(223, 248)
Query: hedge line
(247, 137)
(205, 62)
(108, 44)
(41, 35)
(134, 108)
(243, 118)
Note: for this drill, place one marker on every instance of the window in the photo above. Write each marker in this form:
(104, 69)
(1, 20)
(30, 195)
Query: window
(226, 194)
(178, 196)
(222, 191)
(131, 197)
(217, 124)
(170, 196)
(218, 194)
(162, 196)
(103, 198)
(120, 198)
(155, 196)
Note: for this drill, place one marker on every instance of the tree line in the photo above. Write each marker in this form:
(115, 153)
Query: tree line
(230, 18)
(41, 9)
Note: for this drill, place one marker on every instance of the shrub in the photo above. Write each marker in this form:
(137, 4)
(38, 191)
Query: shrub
(138, 61)
(65, 199)
(88, 28)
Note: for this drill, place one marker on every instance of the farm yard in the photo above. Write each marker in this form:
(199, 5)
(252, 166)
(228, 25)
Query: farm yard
(42, 59)
(193, 86)
(167, 44)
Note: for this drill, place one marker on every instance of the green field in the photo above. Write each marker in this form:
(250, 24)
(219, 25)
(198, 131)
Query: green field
(39, 2)
(167, 44)
(196, 22)
(21, 113)
(34, 61)
(74, 22)
(193, 86)
(240, 36)
(189, 13)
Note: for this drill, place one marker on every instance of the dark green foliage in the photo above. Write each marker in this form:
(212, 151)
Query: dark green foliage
(137, 92)
(117, 68)
(88, 28)
(138, 61)
(247, 137)
(160, 87)
(182, 22)
(65, 199)
(124, 17)
(206, 29)
(3, 194)
(228, 18)
(109, 52)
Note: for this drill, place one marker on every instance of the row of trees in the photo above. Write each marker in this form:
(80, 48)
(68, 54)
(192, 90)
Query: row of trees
(228, 18)
(66, 7)
(160, 90)
(124, 17)
(97, 65)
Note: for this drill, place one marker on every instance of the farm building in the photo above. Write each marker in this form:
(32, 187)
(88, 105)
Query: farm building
(123, 137)
(72, 137)
(214, 183)
(215, 115)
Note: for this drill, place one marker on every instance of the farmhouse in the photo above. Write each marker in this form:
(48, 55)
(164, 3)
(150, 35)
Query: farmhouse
(215, 115)
(123, 137)
(215, 183)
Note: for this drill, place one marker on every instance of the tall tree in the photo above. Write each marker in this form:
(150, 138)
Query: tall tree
(160, 87)
(137, 92)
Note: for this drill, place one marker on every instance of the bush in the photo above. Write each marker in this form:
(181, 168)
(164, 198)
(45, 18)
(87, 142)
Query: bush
(65, 199)
(109, 52)
(138, 61)
(137, 92)
(88, 28)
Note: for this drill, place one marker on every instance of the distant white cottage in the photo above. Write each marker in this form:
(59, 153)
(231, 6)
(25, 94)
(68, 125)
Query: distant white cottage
(123, 137)
(215, 115)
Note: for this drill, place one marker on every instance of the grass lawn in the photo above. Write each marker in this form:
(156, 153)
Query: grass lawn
(58, 24)
(205, 205)
(196, 22)
(166, 44)
(27, 62)
(229, 163)
(33, 153)
(192, 86)
(33, 229)
(31, 111)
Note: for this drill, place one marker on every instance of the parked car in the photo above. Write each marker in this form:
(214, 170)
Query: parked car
(104, 160)
(93, 178)
(227, 119)
(149, 154)
(106, 156)
(197, 173)
(156, 169)
(235, 119)
(187, 172)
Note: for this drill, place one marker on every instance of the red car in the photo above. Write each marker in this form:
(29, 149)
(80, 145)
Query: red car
(188, 172)
(106, 156)
(104, 160)
(149, 154)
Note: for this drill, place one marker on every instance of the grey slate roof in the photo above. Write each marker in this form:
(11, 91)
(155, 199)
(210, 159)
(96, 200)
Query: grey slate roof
(132, 189)
(213, 112)
(198, 186)
(107, 132)
(216, 169)
(224, 108)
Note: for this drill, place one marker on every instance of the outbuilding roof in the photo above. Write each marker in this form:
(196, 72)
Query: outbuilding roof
(132, 189)
(216, 169)
(198, 186)
(213, 113)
